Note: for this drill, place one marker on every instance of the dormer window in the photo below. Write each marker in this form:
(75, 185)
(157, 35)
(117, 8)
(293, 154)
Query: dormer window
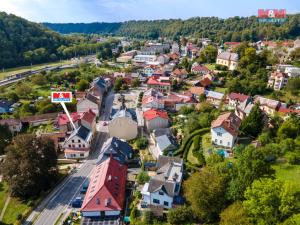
(161, 193)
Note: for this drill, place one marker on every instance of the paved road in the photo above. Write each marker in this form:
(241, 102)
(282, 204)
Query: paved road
(57, 204)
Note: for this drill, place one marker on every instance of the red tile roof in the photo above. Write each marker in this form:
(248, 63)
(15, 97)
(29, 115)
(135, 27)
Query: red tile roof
(229, 121)
(106, 191)
(89, 116)
(205, 82)
(154, 113)
(200, 68)
(287, 111)
(197, 90)
(238, 96)
(179, 72)
(63, 118)
(154, 80)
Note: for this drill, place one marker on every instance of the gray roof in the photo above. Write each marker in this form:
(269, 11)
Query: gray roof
(161, 131)
(228, 56)
(246, 105)
(167, 187)
(92, 98)
(214, 94)
(83, 132)
(163, 160)
(166, 142)
(130, 113)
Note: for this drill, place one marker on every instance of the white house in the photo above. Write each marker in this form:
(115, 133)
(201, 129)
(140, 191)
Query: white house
(165, 185)
(79, 141)
(155, 118)
(145, 58)
(235, 99)
(224, 130)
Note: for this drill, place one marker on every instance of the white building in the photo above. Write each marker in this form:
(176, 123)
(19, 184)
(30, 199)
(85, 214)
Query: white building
(228, 59)
(224, 130)
(155, 118)
(145, 58)
(165, 185)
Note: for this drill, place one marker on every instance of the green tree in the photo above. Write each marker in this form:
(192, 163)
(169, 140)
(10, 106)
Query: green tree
(251, 164)
(136, 82)
(30, 165)
(23, 89)
(205, 192)
(118, 84)
(142, 177)
(209, 54)
(269, 201)
(82, 85)
(290, 128)
(5, 138)
(179, 215)
(39, 79)
(12, 96)
(234, 214)
(293, 85)
(141, 142)
(253, 123)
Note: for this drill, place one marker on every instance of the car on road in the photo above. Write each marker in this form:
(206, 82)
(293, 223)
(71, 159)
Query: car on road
(84, 187)
(77, 202)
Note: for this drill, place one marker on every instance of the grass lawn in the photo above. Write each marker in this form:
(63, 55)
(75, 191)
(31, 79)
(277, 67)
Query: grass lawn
(190, 157)
(211, 66)
(14, 209)
(3, 194)
(26, 68)
(291, 173)
(220, 89)
(206, 144)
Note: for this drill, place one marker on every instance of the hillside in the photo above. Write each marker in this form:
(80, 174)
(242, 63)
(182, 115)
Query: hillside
(231, 29)
(23, 42)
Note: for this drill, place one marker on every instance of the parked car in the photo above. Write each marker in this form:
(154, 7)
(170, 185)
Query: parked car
(77, 202)
(84, 187)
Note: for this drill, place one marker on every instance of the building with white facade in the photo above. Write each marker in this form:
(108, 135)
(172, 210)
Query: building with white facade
(228, 59)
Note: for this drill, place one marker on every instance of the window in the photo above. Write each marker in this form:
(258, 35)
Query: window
(72, 141)
(219, 134)
(156, 201)
(161, 193)
(79, 146)
(220, 141)
(83, 146)
(228, 143)
(79, 141)
(216, 140)
(81, 154)
(69, 146)
(166, 203)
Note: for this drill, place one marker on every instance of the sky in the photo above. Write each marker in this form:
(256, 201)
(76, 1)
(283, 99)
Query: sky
(62, 11)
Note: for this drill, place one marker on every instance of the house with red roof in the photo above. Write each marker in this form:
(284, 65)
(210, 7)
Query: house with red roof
(64, 123)
(156, 118)
(235, 99)
(105, 196)
(225, 129)
(174, 101)
(199, 69)
(179, 74)
(277, 80)
(159, 83)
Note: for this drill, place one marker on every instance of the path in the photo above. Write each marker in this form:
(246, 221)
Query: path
(5, 207)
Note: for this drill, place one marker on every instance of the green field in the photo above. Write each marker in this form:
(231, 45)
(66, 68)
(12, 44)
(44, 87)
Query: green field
(3, 194)
(190, 157)
(14, 210)
(26, 68)
(290, 173)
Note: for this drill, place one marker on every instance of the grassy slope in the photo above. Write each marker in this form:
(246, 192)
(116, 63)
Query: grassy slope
(190, 157)
(14, 208)
(3, 194)
(289, 173)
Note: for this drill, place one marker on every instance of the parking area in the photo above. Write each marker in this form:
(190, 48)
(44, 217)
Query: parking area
(99, 221)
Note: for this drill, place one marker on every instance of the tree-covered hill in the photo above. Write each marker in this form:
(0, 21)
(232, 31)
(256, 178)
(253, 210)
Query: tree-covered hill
(23, 42)
(231, 29)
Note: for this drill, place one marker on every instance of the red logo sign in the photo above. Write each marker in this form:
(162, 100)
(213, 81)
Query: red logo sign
(61, 96)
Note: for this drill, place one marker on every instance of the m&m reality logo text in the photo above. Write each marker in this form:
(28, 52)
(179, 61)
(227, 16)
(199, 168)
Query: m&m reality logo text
(61, 96)
(271, 15)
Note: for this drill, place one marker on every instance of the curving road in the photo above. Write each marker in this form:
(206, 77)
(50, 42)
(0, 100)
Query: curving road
(57, 204)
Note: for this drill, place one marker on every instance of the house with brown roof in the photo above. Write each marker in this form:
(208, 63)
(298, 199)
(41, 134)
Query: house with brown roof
(197, 91)
(225, 129)
(235, 99)
(179, 74)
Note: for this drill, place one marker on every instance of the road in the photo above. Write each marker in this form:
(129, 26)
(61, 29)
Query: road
(57, 204)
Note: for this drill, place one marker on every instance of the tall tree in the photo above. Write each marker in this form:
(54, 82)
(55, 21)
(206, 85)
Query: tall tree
(5, 138)
(30, 165)
(234, 214)
(253, 123)
(269, 201)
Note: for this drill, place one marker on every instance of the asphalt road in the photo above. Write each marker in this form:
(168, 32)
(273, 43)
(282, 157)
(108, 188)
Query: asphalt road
(57, 204)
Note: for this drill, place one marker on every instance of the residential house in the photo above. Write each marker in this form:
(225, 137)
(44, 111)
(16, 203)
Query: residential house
(89, 102)
(63, 123)
(197, 91)
(78, 144)
(213, 97)
(120, 150)
(232, 44)
(292, 71)
(163, 59)
(204, 82)
(5, 106)
(124, 59)
(244, 108)
(199, 69)
(152, 98)
(148, 71)
(123, 124)
(105, 196)
(57, 137)
(179, 74)
(38, 120)
(14, 125)
(174, 101)
(277, 80)
(164, 187)
(164, 141)
(235, 99)
(228, 59)
(88, 120)
(155, 118)
(175, 48)
(145, 58)
(224, 130)
(162, 84)
(269, 106)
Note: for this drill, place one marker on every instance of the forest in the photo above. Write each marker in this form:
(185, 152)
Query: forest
(231, 29)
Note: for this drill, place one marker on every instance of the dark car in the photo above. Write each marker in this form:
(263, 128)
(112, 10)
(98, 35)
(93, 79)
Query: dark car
(84, 187)
(77, 202)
